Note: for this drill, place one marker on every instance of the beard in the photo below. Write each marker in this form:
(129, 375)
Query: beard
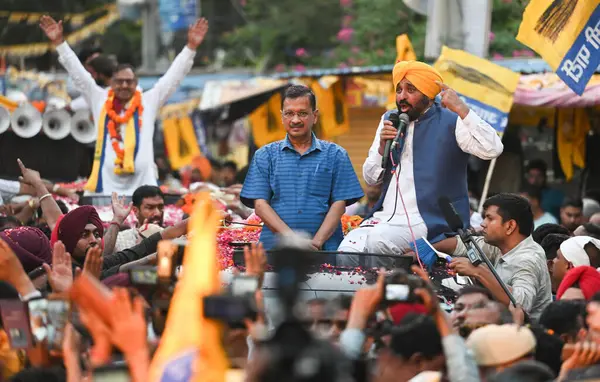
(414, 111)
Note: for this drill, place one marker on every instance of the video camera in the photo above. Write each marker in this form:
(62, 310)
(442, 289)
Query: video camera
(234, 306)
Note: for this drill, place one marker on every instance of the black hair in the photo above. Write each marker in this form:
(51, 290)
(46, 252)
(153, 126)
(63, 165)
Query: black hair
(533, 192)
(548, 348)
(231, 165)
(546, 229)
(474, 289)
(144, 192)
(343, 302)
(513, 207)
(298, 91)
(6, 220)
(593, 230)
(564, 317)
(121, 67)
(551, 243)
(215, 164)
(240, 176)
(103, 65)
(61, 205)
(573, 202)
(87, 52)
(416, 333)
(524, 371)
(537, 164)
(35, 374)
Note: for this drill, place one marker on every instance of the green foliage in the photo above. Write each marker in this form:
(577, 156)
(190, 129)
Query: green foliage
(506, 18)
(124, 39)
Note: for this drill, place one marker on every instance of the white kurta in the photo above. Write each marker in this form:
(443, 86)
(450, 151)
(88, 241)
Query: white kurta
(152, 100)
(391, 234)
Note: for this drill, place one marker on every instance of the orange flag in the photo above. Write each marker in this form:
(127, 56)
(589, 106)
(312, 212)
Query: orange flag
(190, 347)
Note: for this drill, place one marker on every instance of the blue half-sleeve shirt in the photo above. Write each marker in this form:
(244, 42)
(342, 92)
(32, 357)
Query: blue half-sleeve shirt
(301, 188)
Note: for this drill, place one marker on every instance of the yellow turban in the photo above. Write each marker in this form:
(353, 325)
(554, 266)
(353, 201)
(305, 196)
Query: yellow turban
(421, 75)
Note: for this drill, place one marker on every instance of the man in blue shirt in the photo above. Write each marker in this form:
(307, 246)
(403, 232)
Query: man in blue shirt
(301, 183)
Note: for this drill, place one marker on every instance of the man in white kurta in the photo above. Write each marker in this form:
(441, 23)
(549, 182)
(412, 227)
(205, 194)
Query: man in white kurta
(151, 100)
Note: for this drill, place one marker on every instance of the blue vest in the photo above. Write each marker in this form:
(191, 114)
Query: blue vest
(440, 169)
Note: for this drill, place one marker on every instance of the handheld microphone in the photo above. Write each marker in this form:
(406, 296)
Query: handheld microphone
(403, 125)
(395, 120)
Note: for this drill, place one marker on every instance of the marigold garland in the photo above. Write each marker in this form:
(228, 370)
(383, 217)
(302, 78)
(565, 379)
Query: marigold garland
(114, 119)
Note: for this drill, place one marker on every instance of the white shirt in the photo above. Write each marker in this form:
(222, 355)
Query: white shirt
(8, 189)
(152, 100)
(473, 135)
(79, 103)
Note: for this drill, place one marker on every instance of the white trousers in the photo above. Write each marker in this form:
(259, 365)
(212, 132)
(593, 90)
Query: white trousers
(380, 238)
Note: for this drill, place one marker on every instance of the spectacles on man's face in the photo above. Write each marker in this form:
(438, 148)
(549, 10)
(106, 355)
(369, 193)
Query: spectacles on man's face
(124, 81)
(288, 114)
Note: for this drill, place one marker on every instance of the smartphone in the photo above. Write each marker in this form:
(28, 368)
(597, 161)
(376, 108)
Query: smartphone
(58, 315)
(397, 292)
(143, 275)
(16, 323)
(38, 319)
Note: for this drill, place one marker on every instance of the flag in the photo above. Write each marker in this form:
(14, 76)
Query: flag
(404, 49)
(566, 33)
(331, 102)
(266, 122)
(487, 88)
(190, 347)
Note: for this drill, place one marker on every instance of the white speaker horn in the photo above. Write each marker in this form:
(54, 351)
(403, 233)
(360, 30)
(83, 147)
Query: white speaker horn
(4, 119)
(82, 127)
(26, 121)
(56, 124)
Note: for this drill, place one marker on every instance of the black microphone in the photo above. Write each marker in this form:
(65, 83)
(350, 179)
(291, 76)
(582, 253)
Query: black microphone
(404, 121)
(394, 118)
(450, 215)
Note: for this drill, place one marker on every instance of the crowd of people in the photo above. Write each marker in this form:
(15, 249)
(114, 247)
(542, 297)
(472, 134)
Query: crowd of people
(86, 299)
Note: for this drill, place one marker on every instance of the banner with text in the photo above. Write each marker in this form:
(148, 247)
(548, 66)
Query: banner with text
(487, 88)
(567, 35)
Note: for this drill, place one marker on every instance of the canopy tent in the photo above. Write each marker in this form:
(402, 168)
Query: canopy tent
(546, 89)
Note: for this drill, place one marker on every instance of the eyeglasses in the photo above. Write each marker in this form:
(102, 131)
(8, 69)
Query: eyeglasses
(290, 114)
(124, 81)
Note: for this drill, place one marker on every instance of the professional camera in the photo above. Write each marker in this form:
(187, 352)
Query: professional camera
(236, 304)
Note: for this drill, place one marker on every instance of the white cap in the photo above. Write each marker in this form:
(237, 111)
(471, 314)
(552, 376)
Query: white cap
(573, 249)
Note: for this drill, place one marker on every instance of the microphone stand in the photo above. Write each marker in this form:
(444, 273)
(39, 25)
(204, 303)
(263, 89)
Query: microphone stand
(476, 259)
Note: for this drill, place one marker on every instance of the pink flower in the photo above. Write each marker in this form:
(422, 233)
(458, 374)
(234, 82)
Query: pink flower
(355, 49)
(342, 65)
(347, 20)
(380, 52)
(527, 53)
(345, 34)
(243, 3)
(301, 52)
(497, 56)
(346, 3)
(516, 53)
(299, 68)
(280, 68)
(492, 36)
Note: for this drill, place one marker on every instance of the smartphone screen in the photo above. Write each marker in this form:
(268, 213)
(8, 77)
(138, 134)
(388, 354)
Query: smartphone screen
(58, 315)
(16, 323)
(396, 292)
(144, 276)
(38, 319)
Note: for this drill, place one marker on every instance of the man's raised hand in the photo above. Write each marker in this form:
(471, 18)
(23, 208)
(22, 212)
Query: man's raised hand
(52, 29)
(196, 33)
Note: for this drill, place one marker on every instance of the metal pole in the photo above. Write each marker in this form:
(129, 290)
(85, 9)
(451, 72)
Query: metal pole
(149, 35)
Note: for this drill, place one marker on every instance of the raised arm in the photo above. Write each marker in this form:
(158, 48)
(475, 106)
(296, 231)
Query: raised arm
(82, 79)
(180, 67)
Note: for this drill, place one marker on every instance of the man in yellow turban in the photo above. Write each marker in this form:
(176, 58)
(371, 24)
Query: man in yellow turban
(428, 162)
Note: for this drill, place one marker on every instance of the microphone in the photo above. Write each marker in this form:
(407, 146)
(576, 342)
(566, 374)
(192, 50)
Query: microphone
(403, 123)
(396, 121)
(450, 215)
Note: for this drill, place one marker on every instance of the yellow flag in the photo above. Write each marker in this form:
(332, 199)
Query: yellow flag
(333, 111)
(404, 49)
(566, 33)
(180, 141)
(190, 347)
(571, 132)
(487, 88)
(266, 122)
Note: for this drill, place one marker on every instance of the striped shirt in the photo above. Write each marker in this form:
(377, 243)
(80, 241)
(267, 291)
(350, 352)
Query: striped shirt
(301, 188)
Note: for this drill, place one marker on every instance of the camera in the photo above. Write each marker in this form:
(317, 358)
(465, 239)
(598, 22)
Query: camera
(400, 286)
(236, 305)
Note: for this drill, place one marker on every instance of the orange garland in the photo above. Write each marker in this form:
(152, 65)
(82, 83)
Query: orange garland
(114, 118)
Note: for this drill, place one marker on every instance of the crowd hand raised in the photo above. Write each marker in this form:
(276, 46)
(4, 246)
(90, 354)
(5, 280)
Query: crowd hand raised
(518, 313)
(102, 349)
(28, 175)
(196, 33)
(462, 266)
(365, 303)
(387, 133)
(70, 350)
(52, 29)
(128, 332)
(11, 269)
(60, 274)
(256, 262)
(120, 209)
(93, 262)
(586, 353)
(427, 295)
(452, 102)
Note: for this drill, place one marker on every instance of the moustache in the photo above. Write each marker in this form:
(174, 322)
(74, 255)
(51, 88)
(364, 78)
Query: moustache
(404, 103)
